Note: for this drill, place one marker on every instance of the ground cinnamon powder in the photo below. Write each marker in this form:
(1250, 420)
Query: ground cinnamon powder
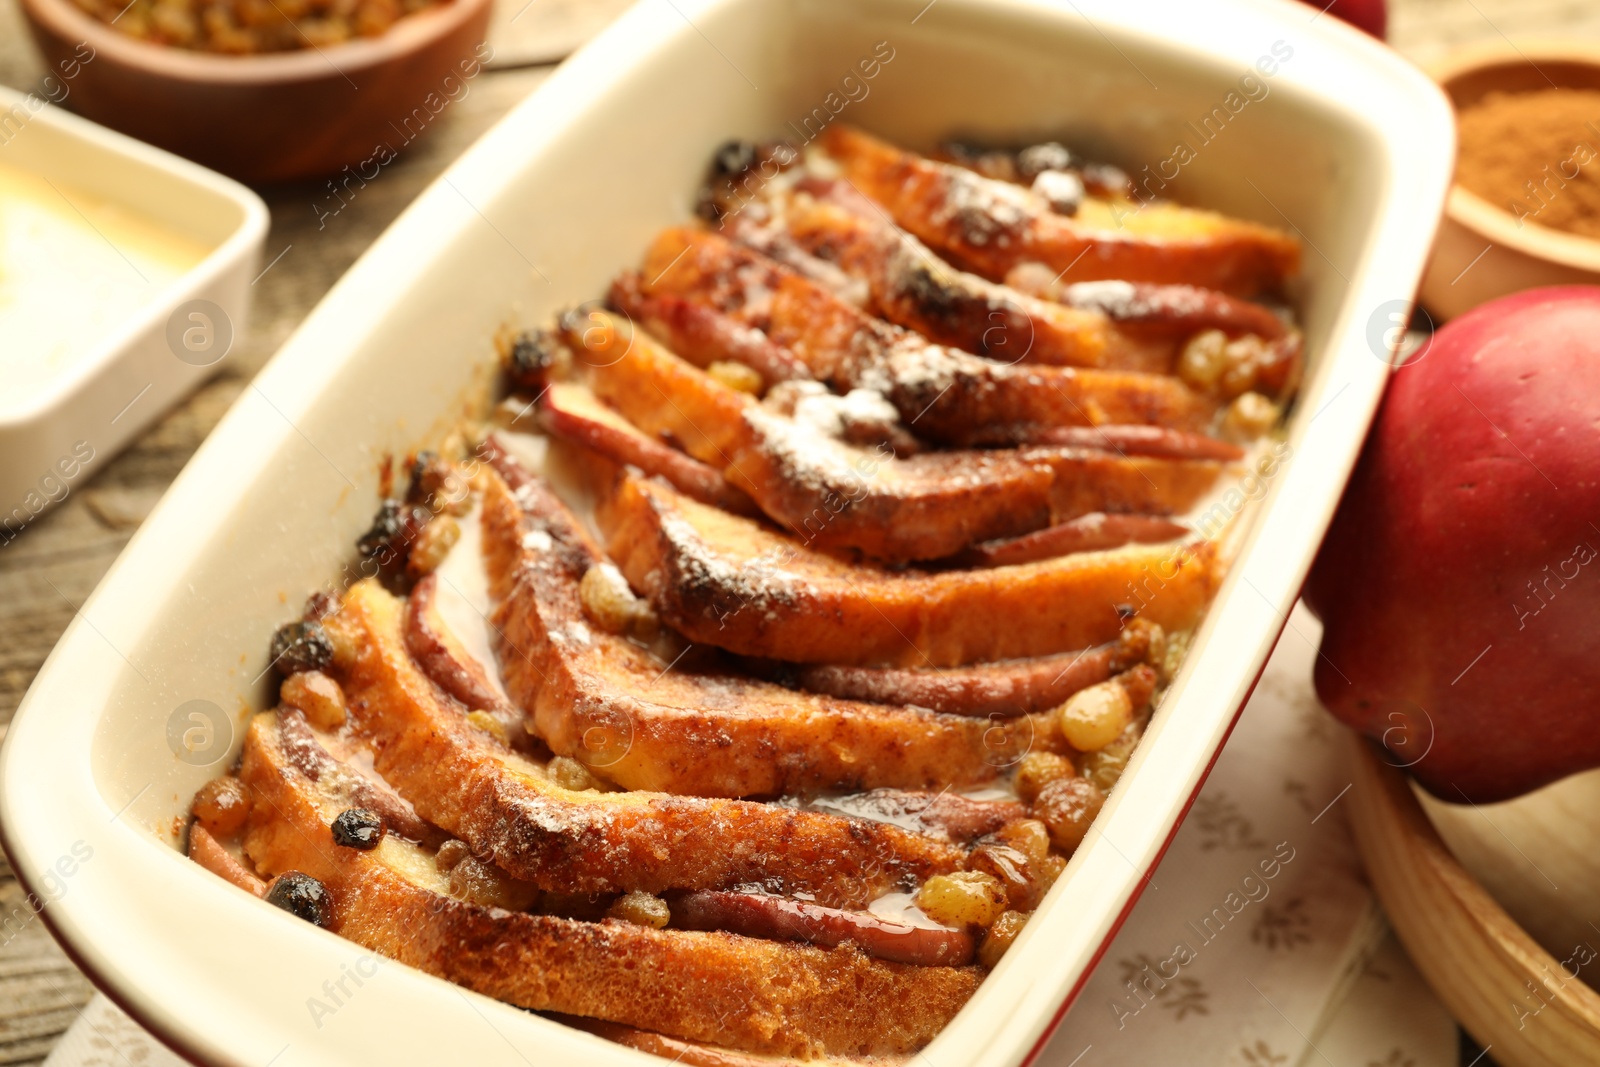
(1537, 155)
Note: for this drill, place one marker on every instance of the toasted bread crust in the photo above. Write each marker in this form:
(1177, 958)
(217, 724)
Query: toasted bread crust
(728, 582)
(605, 701)
(507, 809)
(990, 227)
(705, 987)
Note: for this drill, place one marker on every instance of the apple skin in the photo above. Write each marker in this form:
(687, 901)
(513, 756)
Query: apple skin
(1369, 15)
(1459, 584)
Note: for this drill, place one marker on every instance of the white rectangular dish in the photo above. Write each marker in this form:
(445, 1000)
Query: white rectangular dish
(65, 417)
(1342, 141)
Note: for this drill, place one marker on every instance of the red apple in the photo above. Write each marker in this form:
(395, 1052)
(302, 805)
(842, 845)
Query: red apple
(1459, 584)
(1369, 15)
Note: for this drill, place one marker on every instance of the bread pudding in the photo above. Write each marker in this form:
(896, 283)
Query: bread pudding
(740, 685)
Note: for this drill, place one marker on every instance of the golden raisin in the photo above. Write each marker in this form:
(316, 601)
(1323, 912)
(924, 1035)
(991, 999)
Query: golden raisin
(1049, 870)
(611, 605)
(641, 909)
(568, 773)
(1037, 768)
(1141, 641)
(490, 725)
(318, 696)
(1201, 362)
(962, 899)
(1093, 717)
(433, 545)
(1029, 837)
(1000, 936)
(1248, 417)
(1068, 806)
(736, 376)
(343, 639)
(482, 883)
(222, 805)
(1011, 868)
(1241, 365)
(450, 854)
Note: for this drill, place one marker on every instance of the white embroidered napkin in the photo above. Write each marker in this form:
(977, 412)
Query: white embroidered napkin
(1258, 919)
(1243, 950)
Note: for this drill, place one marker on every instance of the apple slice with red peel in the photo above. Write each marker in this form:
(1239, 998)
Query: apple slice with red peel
(1004, 689)
(573, 411)
(776, 918)
(1093, 532)
(441, 656)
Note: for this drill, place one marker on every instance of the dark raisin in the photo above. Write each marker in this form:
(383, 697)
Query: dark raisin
(386, 526)
(537, 357)
(1063, 190)
(393, 529)
(300, 895)
(1038, 158)
(732, 159)
(320, 605)
(421, 467)
(1103, 179)
(706, 205)
(960, 150)
(301, 646)
(358, 828)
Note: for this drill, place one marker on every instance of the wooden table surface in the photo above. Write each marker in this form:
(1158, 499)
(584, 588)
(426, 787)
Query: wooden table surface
(55, 564)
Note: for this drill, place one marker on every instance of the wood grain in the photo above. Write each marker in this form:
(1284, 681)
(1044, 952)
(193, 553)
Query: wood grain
(48, 571)
(1508, 992)
(53, 566)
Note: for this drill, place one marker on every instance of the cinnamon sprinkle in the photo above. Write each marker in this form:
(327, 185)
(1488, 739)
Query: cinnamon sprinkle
(1536, 155)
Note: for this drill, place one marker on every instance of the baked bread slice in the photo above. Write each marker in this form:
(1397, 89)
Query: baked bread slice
(911, 287)
(644, 723)
(837, 495)
(729, 582)
(509, 809)
(990, 227)
(944, 394)
(717, 987)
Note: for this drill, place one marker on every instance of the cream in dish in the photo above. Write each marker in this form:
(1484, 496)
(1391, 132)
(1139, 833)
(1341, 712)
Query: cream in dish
(73, 268)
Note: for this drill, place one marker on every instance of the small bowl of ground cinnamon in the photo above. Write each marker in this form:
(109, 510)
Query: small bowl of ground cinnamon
(1525, 209)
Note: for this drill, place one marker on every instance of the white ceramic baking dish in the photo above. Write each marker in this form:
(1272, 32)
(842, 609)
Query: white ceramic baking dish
(54, 437)
(1348, 145)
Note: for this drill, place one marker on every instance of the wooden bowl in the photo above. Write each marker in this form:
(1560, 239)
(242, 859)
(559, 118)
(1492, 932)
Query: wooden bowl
(1461, 274)
(1528, 1007)
(277, 116)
